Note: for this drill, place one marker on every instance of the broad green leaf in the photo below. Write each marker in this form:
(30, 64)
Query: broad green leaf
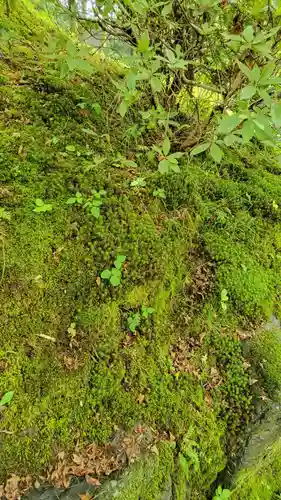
(131, 79)
(266, 73)
(229, 140)
(83, 65)
(166, 146)
(229, 123)
(199, 149)
(175, 156)
(266, 97)
(70, 148)
(216, 152)
(156, 84)
(129, 163)
(122, 108)
(71, 201)
(167, 9)
(255, 73)
(170, 55)
(276, 113)
(174, 166)
(64, 70)
(143, 42)
(163, 166)
(248, 130)
(119, 261)
(248, 34)
(248, 92)
(95, 211)
(115, 280)
(7, 398)
(245, 70)
(105, 275)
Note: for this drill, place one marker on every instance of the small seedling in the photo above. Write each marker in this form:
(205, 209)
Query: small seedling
(222, 494)
(138, 182)
(121, 161)
(41, 206)
(159, 193)
(134, 320)
(97, 108)
(4, 214)
(78, 198)
(114, 274)
(167, 162)
(224, 299)
(147, 311)
(7, 398)
(91, 204)
(94, 203)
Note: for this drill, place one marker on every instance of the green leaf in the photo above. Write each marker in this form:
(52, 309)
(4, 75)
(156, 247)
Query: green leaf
(167, 9)
(228, 123)
(266, 97)
(7, 398)
(138, 182)
(216, 152)
(156, 84)
(248, 92)
(131, 79)
(95, 211)
(248, 34)
(97, 108)
(129, 163)
(71, 201)
(276, 113)
(170, 55)
(115, 280)
(166, 146)
(89, 131)
(163, 166)
(105, 275)
(133, 322)
(119, 261)
(248, 130)
(175, 156)
(174, 166)
(245, 70)
(160, 193)
(4, 214)
(199, 149)
(71, 148)
(229, 140)
(123, 108)
(143, 42)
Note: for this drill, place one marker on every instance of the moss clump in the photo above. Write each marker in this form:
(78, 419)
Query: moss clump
(262, 481)
(265, 351)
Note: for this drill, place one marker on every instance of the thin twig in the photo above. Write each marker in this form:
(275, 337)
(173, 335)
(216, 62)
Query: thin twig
(201, 85)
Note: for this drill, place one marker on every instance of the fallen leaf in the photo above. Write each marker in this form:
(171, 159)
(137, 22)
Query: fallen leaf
(76, 459)
(93, 481)
(140, 399)
(98, 281)
(61, 455)
(85, 496)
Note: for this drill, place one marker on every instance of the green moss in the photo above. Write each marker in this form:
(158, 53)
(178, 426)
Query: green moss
(265, 350)
(147, 479)
(262, 481)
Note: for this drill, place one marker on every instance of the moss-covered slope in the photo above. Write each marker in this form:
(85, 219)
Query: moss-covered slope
(76, 370)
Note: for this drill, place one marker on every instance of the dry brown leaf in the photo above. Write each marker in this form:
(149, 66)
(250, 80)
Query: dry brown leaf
(98, 281)
(140, 399)
(92, 481)
(85, 496)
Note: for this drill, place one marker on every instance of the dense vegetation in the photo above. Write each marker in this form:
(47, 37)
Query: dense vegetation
(138, 261)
